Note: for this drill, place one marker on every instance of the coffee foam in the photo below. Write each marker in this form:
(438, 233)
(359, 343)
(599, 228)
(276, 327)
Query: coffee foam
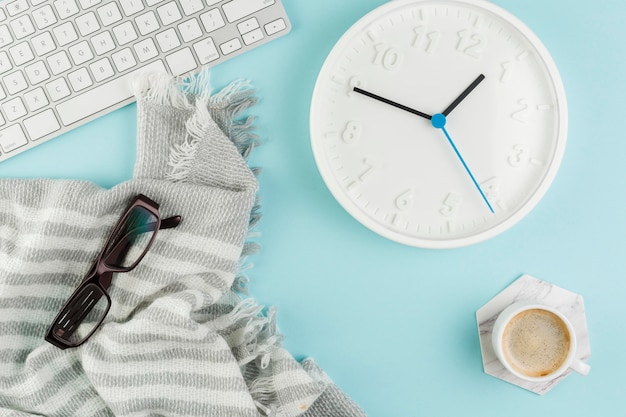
(536, 342)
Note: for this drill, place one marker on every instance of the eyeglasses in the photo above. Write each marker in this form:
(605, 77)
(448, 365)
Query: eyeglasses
(128, 243)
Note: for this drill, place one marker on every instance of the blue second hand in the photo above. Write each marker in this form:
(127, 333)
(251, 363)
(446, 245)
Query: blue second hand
(439, 122)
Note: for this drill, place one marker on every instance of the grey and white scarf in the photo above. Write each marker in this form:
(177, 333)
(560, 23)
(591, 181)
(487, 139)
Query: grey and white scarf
(179, 339)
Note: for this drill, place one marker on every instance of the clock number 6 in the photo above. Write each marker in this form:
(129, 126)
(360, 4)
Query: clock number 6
(404, 201)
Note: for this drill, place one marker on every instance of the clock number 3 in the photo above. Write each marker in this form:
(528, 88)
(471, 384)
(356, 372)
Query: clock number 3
(520, 155)
(388, 56)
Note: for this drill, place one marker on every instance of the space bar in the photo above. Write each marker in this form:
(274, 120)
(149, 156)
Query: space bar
(103, 96)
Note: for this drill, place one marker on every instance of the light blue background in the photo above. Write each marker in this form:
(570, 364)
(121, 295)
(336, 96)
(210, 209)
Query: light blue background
(394, 326)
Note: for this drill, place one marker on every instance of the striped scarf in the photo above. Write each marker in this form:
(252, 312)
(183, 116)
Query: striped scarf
(179, 339)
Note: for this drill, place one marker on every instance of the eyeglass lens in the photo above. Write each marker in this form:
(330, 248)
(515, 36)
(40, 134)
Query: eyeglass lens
(132, 239)
(81, 317)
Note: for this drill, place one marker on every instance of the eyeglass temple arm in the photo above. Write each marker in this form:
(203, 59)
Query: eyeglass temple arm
(170, 222)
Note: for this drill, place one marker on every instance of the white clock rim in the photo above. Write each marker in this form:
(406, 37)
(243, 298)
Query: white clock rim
(442, 243)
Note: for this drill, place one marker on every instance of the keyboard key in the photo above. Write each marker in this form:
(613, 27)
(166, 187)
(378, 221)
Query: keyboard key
(80, 79)
(131, 7)
(58, 89)
(87, 23)
(21, 53)
(15, 82)
(169, 13)
(102, 69)
(2, 121)
(85, 4)
(230, 46)
(36, 99)
(59, 62)
(66, 8)
(102, 43)
(190, 30)
(105, 95)
(65, 33)
(5, 63)
(22, 27)
(145, 50)
(168, 40)
(109, 14)
(80, 52)
(44, 17)
(3, 16)
(252, 37)
(41, 124)
(275, 27)
(147, 23)
(5, 36)
(37, 72)
(238, 9)
(12, 138)
(43, 43)
(124, 60)
(212, 20)
(181, 62)
(16, 7)
(124, 33)
(206, 51)
(14, 109)
(248, 25)
(191, 6)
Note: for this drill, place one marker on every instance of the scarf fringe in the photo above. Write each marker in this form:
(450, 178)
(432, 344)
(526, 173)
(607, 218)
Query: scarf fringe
(194, 94)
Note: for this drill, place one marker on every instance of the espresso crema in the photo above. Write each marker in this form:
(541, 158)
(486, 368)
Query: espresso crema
(536, 342)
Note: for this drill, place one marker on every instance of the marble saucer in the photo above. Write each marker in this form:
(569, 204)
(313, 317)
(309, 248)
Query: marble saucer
(528, 288)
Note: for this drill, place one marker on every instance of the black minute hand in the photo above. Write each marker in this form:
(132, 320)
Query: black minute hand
(464, 94)
(392, 103)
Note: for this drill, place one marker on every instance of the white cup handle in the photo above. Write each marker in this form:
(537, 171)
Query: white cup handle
(580, 367)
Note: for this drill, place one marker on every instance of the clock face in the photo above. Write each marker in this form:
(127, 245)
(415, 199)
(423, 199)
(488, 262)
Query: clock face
(479, 165)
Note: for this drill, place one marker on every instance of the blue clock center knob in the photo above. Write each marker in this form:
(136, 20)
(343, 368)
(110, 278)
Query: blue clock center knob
(438, 120)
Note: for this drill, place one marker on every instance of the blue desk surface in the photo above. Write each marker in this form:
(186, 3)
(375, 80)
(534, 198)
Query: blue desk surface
(393, 325)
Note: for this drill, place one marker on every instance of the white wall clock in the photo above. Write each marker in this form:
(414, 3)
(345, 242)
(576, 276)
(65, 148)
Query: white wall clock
(438, 123)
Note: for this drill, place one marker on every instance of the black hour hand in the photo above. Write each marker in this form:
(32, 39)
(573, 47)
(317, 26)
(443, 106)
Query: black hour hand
(392, 103)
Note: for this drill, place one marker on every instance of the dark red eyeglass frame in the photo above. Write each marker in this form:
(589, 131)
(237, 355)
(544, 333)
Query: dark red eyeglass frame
(101, 272)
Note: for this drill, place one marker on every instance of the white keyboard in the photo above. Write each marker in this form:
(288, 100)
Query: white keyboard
(66, 62)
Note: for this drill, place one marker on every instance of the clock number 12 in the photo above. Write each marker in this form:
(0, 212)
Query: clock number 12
(471, 43)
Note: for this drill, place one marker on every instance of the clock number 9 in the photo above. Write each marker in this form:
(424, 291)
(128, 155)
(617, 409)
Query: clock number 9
(352, 133)
(404, 201)
(356, 81)
(389, 57)
(471, 43)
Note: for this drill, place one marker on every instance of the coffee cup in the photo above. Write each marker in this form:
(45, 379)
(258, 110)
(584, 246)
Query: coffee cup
(536, 342)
